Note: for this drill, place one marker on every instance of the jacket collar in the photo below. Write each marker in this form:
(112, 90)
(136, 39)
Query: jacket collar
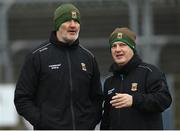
(53, 39)
(132, 64)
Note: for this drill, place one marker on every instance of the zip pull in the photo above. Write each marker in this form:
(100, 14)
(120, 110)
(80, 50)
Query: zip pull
(122, 78)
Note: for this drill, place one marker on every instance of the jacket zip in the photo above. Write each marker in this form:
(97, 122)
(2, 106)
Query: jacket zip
(121, 91)
(122, 78)
(71, 90)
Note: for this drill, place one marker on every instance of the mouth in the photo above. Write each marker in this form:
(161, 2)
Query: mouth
(73, 32)
(119, 56)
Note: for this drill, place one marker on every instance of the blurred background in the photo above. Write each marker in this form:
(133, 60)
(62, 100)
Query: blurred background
(25, 24)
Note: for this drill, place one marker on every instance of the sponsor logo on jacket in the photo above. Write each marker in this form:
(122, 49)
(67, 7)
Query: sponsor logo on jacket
(56, 66)
(111, 91)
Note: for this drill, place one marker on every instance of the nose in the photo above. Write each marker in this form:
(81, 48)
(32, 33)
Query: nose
(118, 48)
(72, 23)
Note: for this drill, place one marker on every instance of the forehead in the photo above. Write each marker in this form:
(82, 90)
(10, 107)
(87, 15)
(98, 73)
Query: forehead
(69, 21)
(119, 43)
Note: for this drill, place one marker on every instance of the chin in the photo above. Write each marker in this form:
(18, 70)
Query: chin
(71, 38)
(120, 62)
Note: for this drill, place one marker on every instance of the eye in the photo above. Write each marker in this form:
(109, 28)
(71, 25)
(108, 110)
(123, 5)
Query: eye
(114, 46)
(75, 20)
(124, 44)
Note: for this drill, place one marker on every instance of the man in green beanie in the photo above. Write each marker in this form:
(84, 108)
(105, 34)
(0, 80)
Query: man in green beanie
(59, 86)
(137, 93)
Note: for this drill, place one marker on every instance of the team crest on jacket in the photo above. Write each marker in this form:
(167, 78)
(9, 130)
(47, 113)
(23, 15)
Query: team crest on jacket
(83, 67)
(134, 86)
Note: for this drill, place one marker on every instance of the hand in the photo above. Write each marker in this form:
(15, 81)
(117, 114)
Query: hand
(121, 100)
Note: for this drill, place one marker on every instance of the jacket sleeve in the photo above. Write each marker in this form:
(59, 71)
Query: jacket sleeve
(26, 89)
(96, 92)
(157, 97)
(106, 109)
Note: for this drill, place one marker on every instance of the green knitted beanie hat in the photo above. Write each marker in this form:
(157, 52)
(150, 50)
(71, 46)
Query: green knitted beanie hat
(65, 12)
(124, 35)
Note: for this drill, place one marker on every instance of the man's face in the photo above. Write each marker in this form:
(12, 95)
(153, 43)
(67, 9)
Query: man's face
(69, 31)
(121, 53)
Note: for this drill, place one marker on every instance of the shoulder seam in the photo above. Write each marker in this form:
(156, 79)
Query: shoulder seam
(86, 50)
(146, 67)
(41, 48)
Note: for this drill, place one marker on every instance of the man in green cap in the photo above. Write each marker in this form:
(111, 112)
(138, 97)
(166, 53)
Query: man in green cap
(137, 93)
(59, 85)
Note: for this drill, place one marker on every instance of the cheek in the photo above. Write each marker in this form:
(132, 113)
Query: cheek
(112, 53)
(130, 54)
(78, 25)
(63, 28)
(114, 56)
(63, 34)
